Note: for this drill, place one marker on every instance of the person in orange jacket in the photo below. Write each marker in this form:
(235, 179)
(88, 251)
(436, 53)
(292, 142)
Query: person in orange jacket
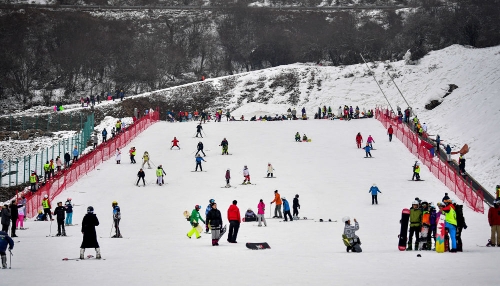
(234, 218)
(277, 208)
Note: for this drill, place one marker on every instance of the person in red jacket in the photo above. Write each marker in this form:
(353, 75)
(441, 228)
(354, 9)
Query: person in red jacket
(174, 143)
(359, 140)
(494, 221)
(233, 216)
(390, 131)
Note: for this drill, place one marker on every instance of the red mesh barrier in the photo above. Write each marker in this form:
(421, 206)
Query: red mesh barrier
(442, 170)
(86, 163)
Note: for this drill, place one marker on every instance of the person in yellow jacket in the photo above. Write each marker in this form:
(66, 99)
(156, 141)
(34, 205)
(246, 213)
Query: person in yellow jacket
(132, 153)
(118, 126)
(52, 168)
(46, 170)
(451, 223)
(277, 208)
(46, 207)
(159, 175)
(145, 159)
(416, 171)
(33, 181)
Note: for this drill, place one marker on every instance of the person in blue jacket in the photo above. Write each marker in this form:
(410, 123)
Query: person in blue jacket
(198, 162)
(75, 154)
(367, 150)
(4, 241)
(69, 212)
(448, 152)
(104, 134)
(286, 209)
(374, 190)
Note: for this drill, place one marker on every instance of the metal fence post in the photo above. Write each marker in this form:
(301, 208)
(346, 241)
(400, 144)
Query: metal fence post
(36, 160)
(48, 121)
(9, 172)
(17, 172)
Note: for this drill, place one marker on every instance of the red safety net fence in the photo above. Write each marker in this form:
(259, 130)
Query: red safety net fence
(441, 169)
(86, 163)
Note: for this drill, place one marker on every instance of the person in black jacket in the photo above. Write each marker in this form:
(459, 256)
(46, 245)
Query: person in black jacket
(60, 213)
(461, 164)
(13, 217)
(199, 128)
(140, 176)
(89, 223)
(214, 218)
(67, 159)
(296, 206)
(200, 148)
(461, 225)
(5, 218)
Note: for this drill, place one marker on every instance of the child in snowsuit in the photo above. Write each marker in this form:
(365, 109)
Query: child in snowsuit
(246, 175)
(370, 141)
(297, 137)
(5, 241)
(250, 215)
(224, 145)
(69, 212)
(118, 155)
(359, 140)
(350, 233)
(270, 170)
(145, 159)
(198, 162)
(140, 176)
(117, 216)
(374, 190)
(175, 143)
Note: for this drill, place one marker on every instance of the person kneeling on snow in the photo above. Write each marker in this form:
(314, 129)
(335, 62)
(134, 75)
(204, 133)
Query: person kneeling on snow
(350, 233)
(250, 215)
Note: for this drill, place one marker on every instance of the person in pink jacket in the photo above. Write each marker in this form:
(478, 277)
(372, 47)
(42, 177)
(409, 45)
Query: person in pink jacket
(261, 207)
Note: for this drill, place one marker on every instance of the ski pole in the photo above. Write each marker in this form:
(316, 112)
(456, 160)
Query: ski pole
(10, 259)
(50, 229)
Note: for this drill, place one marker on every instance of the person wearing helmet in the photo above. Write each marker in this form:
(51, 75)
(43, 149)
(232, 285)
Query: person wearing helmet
(246, 175)
(494, 221)
(69, 212)
(415, 224)
(296, 207)
(194, 219)
(89, 223)
(199, 128)
(175, 143)
(145, 159)
(225, 146)
(159, 175)
(198, 162)
(374, 190)
(416, 171)
(5, 240)
(117, 216)
(46, 206)
(367, 149)
(214, 218)
(286, 209)
(209, 207)
(33, 181)
(451, 223)
(199, 147)
(228, 177)
(350, 234)
(270, 170)
(370, 141)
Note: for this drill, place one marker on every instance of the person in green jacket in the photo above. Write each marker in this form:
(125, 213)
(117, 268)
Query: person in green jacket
(194, 219)
(33, 181)
(415, 224)
(159, 175)
(46, 169)
(297, 137)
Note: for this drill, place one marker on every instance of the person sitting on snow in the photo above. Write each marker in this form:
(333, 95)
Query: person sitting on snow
(350, 233)
(250, 215)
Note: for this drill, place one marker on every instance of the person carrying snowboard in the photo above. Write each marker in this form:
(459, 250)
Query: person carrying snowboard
(359, 140)
(270, 170)
(246, 175)
(228, 177)
(367, 149)
(296, 207)
(117, 216)
(374, 190)
(5, 240)
(390, 131)
(200, 148)
(199, 128)
(214, 219)
(415, 224)
(286, 209)
(60, 212)
(132, 153)
(209, 207)
(426, 223)
(194, 219)
(297, 137)
(141, 175)
(175, 143)
(225, 146)
(145, 159)
(198, 162)
(416, 171)
(89, 223)
(350, 234)
(277, 208)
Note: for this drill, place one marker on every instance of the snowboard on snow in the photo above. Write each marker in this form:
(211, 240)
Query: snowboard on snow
(440, 233)
(257, 245)
(222, 231)
(403, 233)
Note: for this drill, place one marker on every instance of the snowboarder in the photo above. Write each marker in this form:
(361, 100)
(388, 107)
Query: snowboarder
(175, 143)
(390, 131)
(370, 141)
(494, 221)
(117, 216)
(277, 208)
(461, 164)
(225, 146)
(374, 190)
(296, 207)
(194, 219)
(367, 149)
(233, 216)
(261, 209)
(4, 241)
(270, 170)
(200, 148)
(415, 224)
(350, 233)
(209, 207)
(214, 218)
(104, 134)
(118, 155)
(132, 153)
(46, 206)
(140, 175)
(359, 140)
(228, 177)
(89, 223)
(159, 175)
(198, 162)
(69, 212)
(246, 175)
(145, 159)
(60, 212)
(286, 209)
(297, 137)
(451, 223)
(416, 171)
(199, 128)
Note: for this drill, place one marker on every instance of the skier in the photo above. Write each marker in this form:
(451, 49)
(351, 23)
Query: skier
(350, 233)
(461, 164)
(117, 216)
(145, 159)
(415, 224)
(286, 209)
(370, 141)
(494, 222)
(132, 153)
(175, 143)
(246, 175)
(233, 216)
(59, 212)
(4, 241)
(359, 140)
(159, 175)
(209, 207)
(69, 212)
(194, 219)
(448, 152)
(198, 162)
(390, 131)
(104, 134)
(416, 171)
(297, 137)
(296, 207)
(199, 128)
(75, 154)
(228, 177)
(451, 223)
(225, 146)
(141, 175)
(270, 170)
(214, 218)
(118, 154)
(277, 208)
(46, 206)
(89, 223)
(200, 148)
(367, 149)
(374, 190)
(261, 209)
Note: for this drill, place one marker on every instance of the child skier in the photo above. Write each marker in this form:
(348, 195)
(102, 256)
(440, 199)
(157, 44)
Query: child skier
(199, 128)
(145, 159)
(367, 149)
(246, 174)
(59, 212)
(198, 162)
(359, 140)
(370, 141)
(200, 148)
(350, 233)
(225, 146)
(175, 143)
(118, 154)
(141, 175)
(286, 209)
(228, 177)
(270, 170)
(374, 190)
(159, 176)
(296, 207)
(5, 241)
(117, 216)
